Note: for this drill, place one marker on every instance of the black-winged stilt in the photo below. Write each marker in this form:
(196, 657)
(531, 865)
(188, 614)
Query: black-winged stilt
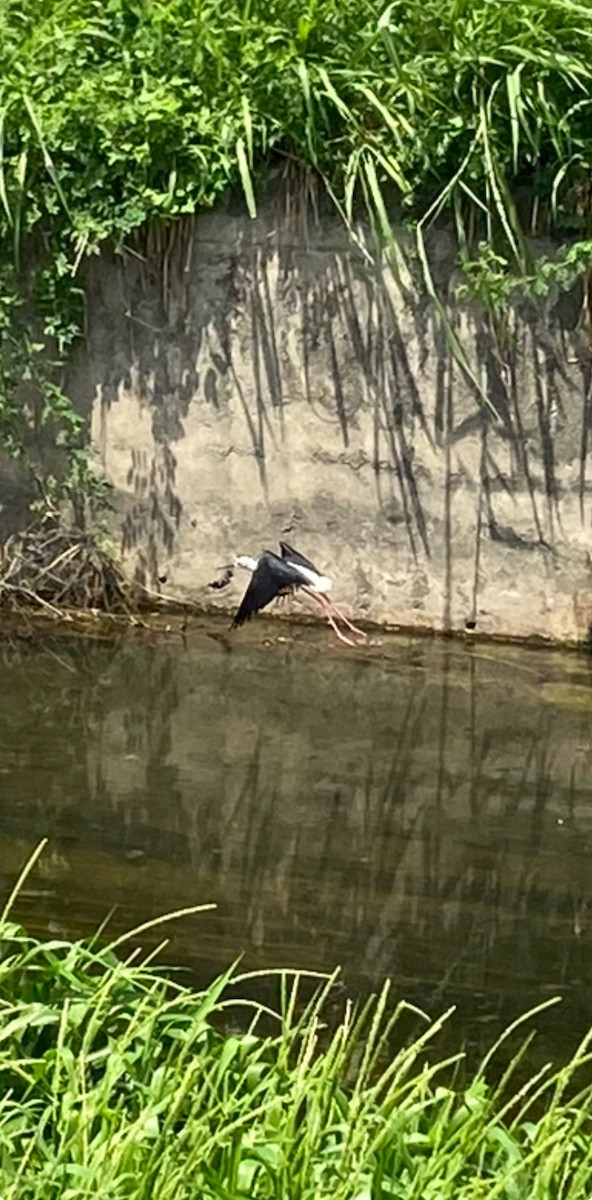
(273, 576)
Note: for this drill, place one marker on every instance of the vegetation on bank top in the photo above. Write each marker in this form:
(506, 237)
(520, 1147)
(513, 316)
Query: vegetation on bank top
(118, 1084)
(117, 112)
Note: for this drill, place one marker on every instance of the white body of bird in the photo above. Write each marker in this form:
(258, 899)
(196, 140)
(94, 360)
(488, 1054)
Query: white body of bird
(320, 584)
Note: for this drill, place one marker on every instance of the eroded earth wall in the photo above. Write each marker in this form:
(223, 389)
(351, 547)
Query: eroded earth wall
(248, 380)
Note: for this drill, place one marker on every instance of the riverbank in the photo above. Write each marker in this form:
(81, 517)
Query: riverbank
(174, 618)
(359, 318)
(425, 510)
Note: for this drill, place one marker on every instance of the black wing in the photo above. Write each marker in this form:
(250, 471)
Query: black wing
(296, 557)
(271, 577)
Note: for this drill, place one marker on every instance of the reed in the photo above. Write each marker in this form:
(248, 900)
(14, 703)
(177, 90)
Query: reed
(116, 1081)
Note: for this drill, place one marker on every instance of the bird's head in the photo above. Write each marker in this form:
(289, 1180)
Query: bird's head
(246, 562)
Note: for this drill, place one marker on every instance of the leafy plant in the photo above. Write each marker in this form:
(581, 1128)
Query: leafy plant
(114, 113)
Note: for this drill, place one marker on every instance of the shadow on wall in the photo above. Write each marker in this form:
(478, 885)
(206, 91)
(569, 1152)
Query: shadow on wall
(253, 317)
(16, 494)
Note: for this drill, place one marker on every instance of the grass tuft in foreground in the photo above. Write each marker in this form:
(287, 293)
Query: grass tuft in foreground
(115, 1082)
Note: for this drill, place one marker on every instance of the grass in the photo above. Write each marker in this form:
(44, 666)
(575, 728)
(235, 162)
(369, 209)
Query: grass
(118, 1082)
(114, 113)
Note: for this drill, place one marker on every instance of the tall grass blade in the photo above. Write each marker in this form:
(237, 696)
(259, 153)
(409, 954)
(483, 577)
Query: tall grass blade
(245, 175)
(24, 875)
(47, 159)
(3, 191)
(154, 922)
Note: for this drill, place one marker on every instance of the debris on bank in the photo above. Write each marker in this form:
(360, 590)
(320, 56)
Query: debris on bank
(58, 567)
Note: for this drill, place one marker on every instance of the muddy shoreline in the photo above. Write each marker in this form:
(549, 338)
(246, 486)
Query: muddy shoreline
(183, 620)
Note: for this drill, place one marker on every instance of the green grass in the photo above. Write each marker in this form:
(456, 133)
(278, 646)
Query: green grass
(116, 1082)
(114, 113)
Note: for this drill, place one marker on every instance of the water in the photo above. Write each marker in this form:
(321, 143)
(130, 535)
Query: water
(421, 811)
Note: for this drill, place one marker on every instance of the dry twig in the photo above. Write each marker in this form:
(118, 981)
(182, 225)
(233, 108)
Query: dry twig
(57, 568)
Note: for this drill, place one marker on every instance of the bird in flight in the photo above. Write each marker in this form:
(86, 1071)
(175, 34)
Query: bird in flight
(275, 575)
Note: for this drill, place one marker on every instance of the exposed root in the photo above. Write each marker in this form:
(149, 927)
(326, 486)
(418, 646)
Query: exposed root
(57, 568)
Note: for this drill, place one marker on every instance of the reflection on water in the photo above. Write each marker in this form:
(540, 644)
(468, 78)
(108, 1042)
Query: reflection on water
(422, 812)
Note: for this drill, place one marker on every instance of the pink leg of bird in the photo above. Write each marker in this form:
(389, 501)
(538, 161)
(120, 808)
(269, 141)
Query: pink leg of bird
(282, 600)
(338, 613)
(326, 612)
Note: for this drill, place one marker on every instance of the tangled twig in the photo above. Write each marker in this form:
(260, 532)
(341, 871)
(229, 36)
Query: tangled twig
(58, 567)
